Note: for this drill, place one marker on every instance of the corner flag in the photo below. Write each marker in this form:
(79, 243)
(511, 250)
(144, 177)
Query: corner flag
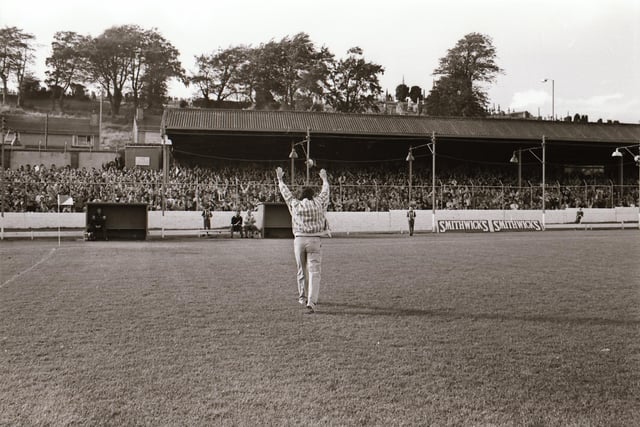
(65, 200)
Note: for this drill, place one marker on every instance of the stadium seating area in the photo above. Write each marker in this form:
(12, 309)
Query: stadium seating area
(376, 188)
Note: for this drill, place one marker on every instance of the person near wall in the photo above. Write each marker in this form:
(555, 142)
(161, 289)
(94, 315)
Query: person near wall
(206, 216)
(579, 215)
(236, 224)
(309, 224)
(98, 225)
(250, 228)
(411, 218)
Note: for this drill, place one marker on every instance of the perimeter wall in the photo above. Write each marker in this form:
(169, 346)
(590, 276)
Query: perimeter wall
(340, 222)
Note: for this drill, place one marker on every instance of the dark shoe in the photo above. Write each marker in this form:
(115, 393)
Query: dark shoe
(311, 308)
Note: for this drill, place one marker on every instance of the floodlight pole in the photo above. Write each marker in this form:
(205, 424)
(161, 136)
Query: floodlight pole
(618, 153)
(99, 125)
(433, 183)
(519, 170)
(164, 174)
(544, 163)
(293, 167)
(2, 179)
(621, 182)
(553, 98)
(294, 155)
(542, 160)
(410, 158)
(308, 154)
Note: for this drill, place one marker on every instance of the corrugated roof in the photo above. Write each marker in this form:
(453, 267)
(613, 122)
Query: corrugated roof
(180, 120)
(54, 125)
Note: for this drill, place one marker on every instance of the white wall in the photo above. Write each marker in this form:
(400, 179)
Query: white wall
(86, 159)
(95, 159)
(340, 222)
(37, 220)
(33, 158)
(181, 220)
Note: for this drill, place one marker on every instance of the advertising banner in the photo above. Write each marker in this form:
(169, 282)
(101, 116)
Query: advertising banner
(516, 225)
(142, 161)
(486, 226)
(464, 226)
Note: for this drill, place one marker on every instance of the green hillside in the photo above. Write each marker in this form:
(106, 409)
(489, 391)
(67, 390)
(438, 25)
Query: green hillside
(116, 130)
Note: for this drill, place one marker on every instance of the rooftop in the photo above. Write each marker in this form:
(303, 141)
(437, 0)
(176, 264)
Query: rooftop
(190, 120)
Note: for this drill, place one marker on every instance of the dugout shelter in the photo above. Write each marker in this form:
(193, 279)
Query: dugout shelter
(124, 221)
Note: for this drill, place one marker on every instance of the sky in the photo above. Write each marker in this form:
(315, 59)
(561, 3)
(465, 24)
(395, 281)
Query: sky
(589, 50)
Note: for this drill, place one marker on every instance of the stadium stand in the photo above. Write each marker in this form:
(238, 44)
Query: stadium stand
(228, 186)
(225, 159)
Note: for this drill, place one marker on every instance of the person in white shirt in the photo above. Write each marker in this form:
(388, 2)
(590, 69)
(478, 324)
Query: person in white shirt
(249, 225)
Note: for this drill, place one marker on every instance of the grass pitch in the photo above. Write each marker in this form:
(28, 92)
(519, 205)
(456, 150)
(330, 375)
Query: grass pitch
(532, 329)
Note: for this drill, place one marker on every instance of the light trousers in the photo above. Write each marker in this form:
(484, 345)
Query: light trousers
(308, 254)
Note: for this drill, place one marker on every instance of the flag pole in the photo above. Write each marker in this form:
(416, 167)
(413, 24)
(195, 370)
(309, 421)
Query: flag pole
(58, 220)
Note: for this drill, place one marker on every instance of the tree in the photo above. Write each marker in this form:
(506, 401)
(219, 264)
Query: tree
(353, 85)
(155, 61)
(402, 92)
(258, 80)
(458, 92)
(203, 78)
(416, 94)
(16, 51)
(292, 70)
(65, 64)
(22, 73)
(31, 86)
(304, 69)
(290, 73)
(220, 74)
(110, 57)
(129, 55)
(311, 82)
(79, 91)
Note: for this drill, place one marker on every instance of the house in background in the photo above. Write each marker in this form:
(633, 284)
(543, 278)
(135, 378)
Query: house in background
(146, 128)
(52, 132)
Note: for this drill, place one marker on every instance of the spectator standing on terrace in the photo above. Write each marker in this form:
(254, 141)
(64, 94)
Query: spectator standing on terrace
(236, 224)
(411, 217)
(309, 224)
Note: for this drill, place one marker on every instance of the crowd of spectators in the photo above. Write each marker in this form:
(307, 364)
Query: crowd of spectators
(227, 187)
